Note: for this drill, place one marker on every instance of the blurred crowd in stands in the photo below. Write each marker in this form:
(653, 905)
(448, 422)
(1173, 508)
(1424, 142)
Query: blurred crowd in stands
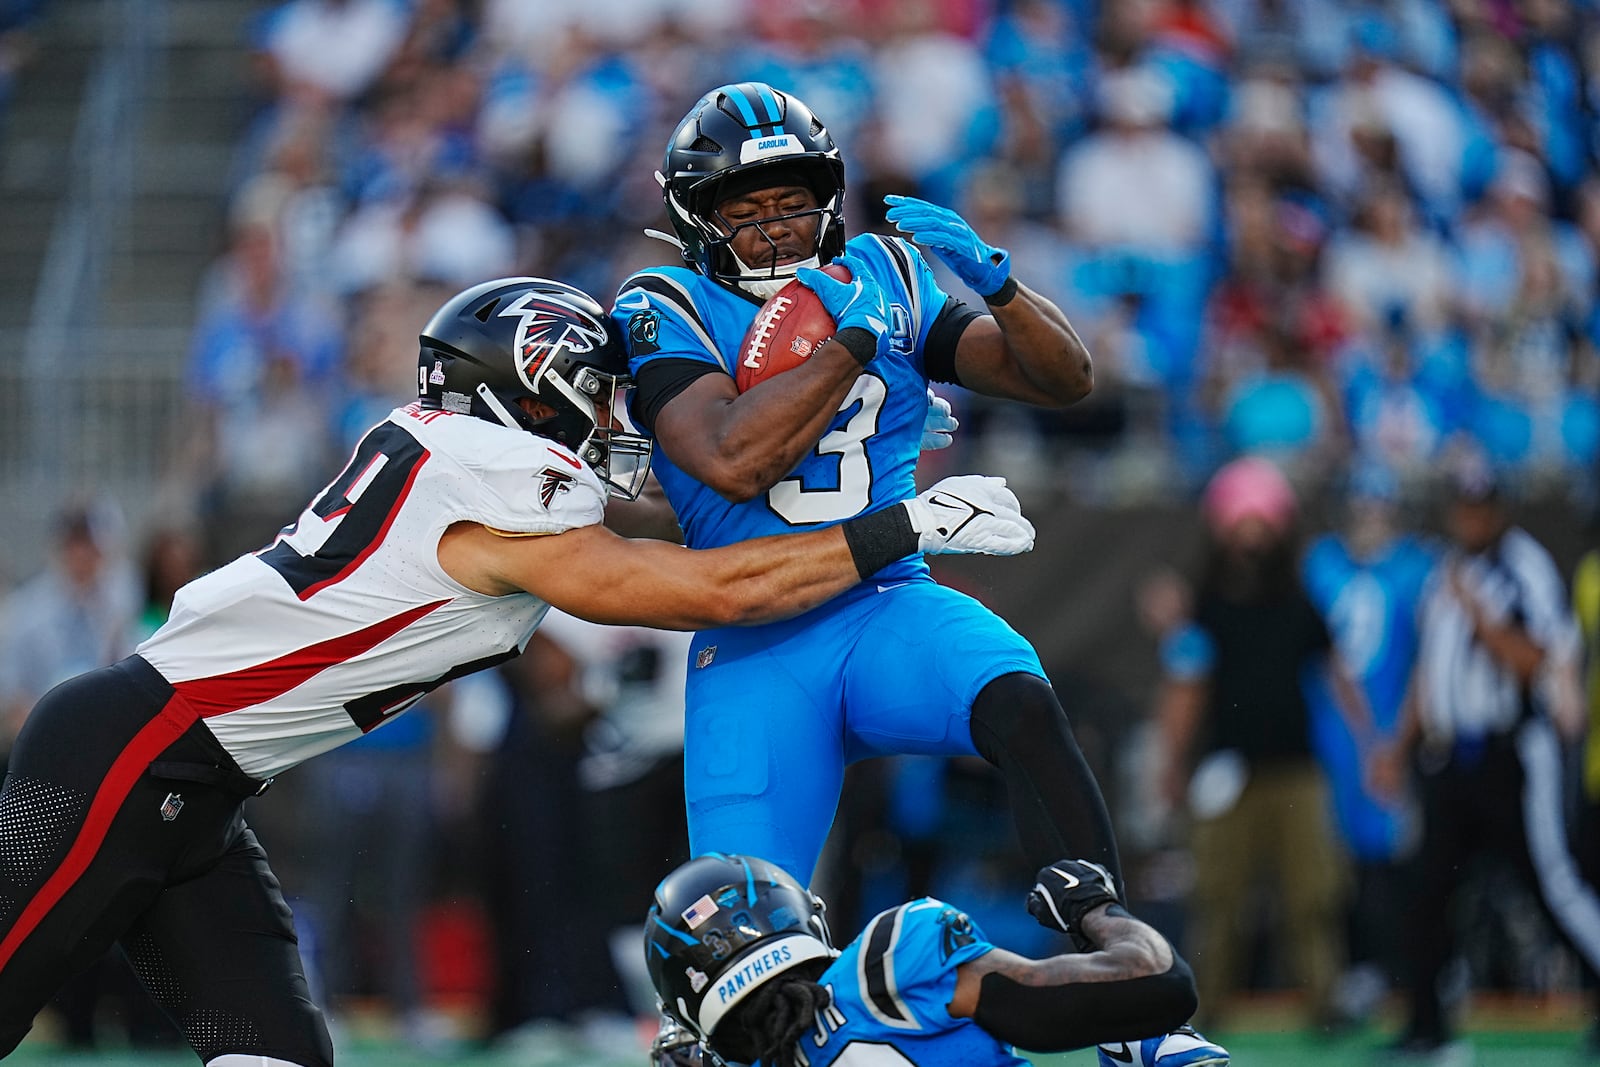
(1339, 235)
(1306, 230)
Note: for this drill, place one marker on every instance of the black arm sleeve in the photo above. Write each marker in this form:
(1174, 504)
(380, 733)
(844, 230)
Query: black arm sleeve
(1061, 1017)
(939, 351)
(662, 379)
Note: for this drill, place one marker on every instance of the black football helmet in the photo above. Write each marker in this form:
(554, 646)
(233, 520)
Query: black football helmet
(730, 132)
(502, 340)
(722, 926)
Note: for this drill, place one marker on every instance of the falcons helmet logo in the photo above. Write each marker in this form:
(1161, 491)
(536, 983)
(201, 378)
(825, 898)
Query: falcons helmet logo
(546, 325)
(551, 482)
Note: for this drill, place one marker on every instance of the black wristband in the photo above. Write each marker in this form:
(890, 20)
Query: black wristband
(860, 342)
(1003, 295)
(879, 539)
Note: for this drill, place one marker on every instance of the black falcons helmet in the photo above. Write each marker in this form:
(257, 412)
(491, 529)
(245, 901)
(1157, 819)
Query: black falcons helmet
(721, 926)
(730, 132)
(510, 338)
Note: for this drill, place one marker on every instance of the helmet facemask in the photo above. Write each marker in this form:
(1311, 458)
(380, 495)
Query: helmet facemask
(739, 138)
(717, 233)
(500, 344)
(591, 418)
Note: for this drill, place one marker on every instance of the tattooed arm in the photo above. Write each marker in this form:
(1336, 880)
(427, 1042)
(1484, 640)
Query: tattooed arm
(1133, 985)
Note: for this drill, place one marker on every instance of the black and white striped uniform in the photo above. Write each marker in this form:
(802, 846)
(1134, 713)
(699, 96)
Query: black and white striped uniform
(1490, 763)
(120, 817)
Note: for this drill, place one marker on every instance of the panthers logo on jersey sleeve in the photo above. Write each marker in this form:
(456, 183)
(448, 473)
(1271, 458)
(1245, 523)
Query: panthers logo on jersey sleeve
(657, 315)
(891, 993)
(906, 968)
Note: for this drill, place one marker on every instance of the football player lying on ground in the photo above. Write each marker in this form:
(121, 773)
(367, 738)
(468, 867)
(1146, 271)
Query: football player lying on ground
(741, 958)
(436, 552)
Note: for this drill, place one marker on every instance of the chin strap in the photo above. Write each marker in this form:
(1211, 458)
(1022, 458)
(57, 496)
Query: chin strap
(765, 287)
(662, 235)
(493, 403)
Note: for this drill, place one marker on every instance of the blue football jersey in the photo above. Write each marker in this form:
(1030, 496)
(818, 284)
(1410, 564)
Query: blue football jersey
(890, 990)
(1371, 609)
(865, 461)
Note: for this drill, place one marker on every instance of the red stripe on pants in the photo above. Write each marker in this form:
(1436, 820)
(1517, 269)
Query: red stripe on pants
(216, 695)
(152, 739)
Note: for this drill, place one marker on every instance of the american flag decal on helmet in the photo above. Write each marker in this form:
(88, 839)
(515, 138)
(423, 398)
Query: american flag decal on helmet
(551, 482)
(546, 325)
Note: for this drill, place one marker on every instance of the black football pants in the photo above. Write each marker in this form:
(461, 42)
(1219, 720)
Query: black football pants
(1506, 802)
(121, 822)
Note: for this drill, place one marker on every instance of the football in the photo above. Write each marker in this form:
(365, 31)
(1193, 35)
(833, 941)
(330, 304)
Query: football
(786, 330)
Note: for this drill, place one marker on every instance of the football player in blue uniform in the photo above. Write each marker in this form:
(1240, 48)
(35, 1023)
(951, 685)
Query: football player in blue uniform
(740, 955)
(1367, 580)
(754, 188)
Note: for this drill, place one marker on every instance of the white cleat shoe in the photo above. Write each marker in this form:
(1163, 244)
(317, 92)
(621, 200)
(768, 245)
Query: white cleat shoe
(1184, 1047)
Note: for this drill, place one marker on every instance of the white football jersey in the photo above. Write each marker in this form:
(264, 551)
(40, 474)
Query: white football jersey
(347, 618)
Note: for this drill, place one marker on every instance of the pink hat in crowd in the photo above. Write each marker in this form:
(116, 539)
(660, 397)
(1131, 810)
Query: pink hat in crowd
(1250, 486)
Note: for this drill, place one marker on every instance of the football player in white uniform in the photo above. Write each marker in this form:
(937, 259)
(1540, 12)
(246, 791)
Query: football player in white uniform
(436, 552)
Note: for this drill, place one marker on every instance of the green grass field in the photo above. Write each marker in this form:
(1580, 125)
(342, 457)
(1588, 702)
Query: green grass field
(1512, 1032)
(1490, 1049)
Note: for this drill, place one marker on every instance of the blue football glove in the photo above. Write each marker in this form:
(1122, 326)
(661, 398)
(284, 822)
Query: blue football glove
(856, 304)
(938, 423)
(947, 235)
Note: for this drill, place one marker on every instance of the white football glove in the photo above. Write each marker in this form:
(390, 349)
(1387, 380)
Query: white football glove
(938, 424)
(970, 513)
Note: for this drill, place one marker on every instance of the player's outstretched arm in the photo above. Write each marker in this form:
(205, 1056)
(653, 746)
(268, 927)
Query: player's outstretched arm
(1026, 350)
(1125, 985)
(594, 574)
(649, 515)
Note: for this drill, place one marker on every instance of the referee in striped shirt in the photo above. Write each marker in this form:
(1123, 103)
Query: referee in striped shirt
(1485, 743)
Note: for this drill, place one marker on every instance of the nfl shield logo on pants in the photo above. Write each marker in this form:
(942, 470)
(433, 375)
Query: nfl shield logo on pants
(171, 806)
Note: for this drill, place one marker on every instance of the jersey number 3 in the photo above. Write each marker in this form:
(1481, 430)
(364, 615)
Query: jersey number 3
(800, 505)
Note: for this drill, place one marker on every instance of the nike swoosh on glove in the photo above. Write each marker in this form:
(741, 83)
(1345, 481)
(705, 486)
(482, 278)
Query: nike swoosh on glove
(1065, 892)
(938, 424)
(970, 513)
(947, 235)
(856, 304)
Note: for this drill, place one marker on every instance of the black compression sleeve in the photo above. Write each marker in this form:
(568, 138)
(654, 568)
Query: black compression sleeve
(1060, 1017)
(879, 539)
(939, 350)
(659, 380)
(1018, 725)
